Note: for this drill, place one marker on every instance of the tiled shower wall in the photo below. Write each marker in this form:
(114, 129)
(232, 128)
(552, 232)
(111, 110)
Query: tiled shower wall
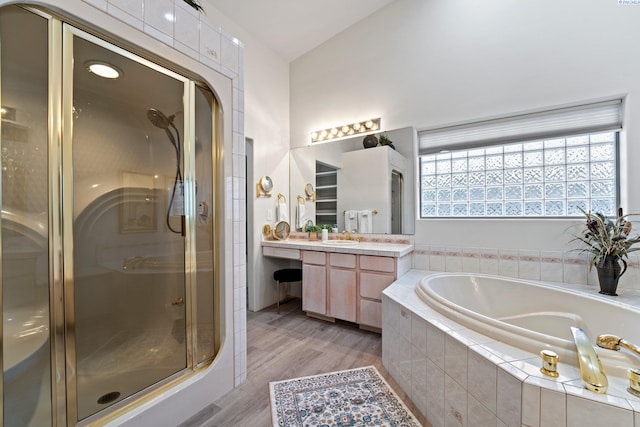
(548, 266)
(193, 34)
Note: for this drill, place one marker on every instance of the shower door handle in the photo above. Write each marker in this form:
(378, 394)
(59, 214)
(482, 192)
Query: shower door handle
(178, 302)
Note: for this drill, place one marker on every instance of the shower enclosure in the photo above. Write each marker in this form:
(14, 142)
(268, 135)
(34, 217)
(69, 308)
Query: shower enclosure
(108, 225)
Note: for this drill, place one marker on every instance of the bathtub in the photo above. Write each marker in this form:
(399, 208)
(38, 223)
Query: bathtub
(533, 316)
(465, 348)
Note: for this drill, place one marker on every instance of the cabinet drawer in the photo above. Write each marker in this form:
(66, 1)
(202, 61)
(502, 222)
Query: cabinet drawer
(281, 252)
(371, 313)
(342, 260)
(372, 285)
(313, 257)
(377, 263)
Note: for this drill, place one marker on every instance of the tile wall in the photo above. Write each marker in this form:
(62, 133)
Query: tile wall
(176, 24)
(548, 266)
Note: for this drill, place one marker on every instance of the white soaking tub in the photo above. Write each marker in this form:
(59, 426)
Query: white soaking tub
(466, 349)
(533, 316)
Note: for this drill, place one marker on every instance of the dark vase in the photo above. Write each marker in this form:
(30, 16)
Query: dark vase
(609, 272)
(370, 141)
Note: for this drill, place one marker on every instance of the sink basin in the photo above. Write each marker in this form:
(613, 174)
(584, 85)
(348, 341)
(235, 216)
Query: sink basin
(341, 243)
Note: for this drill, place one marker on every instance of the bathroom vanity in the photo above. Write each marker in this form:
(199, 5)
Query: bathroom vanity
(343, 280)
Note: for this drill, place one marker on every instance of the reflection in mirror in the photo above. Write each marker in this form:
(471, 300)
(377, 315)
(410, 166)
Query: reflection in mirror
(361, 190)
(310, 192)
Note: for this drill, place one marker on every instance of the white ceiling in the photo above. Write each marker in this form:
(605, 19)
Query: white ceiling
(293, 27)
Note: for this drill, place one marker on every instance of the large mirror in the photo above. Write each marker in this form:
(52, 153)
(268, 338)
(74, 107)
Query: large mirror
(358, 189)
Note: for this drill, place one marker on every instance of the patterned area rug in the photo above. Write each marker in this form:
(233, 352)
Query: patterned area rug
(356, 397)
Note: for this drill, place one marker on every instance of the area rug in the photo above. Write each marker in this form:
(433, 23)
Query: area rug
(356, 397)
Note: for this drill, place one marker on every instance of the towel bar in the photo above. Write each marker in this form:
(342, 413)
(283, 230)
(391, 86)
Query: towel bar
(375, 212)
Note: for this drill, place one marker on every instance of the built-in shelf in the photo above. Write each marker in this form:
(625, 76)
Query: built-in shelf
(326, 193)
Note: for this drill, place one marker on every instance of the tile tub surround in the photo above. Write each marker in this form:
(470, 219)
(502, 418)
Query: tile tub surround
(548, 266)
(456, 376)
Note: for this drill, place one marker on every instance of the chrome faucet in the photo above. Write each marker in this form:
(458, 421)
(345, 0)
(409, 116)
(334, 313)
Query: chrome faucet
(133, 262)
(613, 342)
(591, 369)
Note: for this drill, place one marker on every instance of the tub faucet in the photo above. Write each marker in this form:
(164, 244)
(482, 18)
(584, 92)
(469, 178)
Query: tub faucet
(132, 263)
(591, 369)
(613, 342)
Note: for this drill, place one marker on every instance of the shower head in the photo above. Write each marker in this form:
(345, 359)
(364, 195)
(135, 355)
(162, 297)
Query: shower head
(158, 119)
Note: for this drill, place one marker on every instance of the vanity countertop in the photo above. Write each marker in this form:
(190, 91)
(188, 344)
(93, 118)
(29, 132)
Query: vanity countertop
(396, 250)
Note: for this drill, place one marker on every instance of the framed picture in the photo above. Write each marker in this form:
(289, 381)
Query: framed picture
(138, 207)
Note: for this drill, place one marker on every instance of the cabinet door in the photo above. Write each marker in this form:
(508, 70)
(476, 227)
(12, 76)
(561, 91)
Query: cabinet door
(314, 288)
(371, 313)
(342, 294)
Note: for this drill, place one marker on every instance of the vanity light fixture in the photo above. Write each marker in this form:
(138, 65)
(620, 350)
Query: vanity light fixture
(103, 69)
(337, 132)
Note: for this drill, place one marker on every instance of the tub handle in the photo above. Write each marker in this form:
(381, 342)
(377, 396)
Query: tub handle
(549, 363)
(634, 381)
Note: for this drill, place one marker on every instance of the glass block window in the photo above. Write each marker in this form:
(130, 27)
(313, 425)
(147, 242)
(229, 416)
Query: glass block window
(544, 178)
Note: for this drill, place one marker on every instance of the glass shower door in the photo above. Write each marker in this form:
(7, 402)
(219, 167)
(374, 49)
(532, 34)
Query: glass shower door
(26, 380)
(128, 314)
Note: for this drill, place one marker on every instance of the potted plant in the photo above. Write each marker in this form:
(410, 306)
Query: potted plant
(608, 243)
(384, 140)
(313, 231)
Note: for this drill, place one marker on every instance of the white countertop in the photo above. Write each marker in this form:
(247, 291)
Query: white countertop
(396, 250)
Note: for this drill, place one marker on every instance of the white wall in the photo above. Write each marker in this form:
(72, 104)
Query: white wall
(266, 122)
(427, 63)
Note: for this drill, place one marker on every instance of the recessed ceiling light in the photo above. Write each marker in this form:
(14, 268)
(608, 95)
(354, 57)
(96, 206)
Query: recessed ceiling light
(103, 69)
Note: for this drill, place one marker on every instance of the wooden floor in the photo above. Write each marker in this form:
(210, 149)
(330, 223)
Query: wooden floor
(289, 345)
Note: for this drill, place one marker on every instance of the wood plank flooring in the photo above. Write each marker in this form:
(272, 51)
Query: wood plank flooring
(289, 345)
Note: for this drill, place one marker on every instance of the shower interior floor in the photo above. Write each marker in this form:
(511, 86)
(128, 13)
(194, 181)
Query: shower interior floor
(127, 363)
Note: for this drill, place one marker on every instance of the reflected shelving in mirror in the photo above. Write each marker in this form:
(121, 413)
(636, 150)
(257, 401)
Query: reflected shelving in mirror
(350, 177)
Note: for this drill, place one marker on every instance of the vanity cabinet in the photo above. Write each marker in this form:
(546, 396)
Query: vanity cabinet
(348, 286)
